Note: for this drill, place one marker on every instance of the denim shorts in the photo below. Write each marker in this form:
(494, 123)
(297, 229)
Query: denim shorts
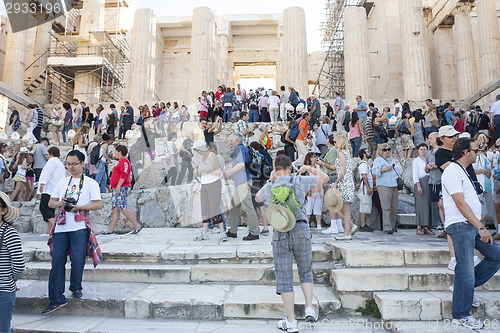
(120, 201)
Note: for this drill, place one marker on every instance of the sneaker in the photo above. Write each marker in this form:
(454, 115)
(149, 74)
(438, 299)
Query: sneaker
(366, 228)
(265, 232)
(289, 326)
(389, 232)
(223, 237)
(250, 237)
(468, 322)
(53, 308)
(475, 302)
(77, 294)
(343, 237)
(318, 227)
(44, 235)
(311, 315)
(354, 229)
(451, 264)
(216, 230)
(331, 230)
(201, 237)
(439, 227)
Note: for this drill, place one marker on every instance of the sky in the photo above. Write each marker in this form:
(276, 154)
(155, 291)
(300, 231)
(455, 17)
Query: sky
(315, 11)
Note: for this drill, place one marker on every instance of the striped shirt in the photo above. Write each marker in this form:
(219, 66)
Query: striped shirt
(40, 118)
(369, 134)
(11, 258)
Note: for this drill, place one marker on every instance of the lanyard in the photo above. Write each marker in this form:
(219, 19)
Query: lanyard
(468, 176)
(79, 189)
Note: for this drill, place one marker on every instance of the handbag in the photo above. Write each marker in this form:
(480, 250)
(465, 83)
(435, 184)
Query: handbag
(400, 182)
(434, 119)
(403, 129)
(57, 122)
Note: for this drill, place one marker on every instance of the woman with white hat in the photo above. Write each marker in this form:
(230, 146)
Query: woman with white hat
(20, 164)
(11, 261)
(209, 170)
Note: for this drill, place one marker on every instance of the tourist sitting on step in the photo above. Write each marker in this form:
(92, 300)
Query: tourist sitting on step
(463, 224)
(292, 236)
(73, 197)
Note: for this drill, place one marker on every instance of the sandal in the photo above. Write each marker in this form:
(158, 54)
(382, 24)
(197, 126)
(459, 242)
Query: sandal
(428, 231)
(108, 233)
(420, 231)
(135, 232)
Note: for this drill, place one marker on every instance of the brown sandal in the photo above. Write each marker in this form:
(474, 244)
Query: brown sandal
(420, 231)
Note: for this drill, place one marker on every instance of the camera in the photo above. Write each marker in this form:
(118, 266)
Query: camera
(70, 202)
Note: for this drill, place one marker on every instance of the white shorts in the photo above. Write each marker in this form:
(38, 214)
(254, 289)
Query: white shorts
(314, 205)
(365, 201)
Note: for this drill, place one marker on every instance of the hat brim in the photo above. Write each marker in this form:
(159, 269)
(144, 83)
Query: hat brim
(272, 209)
(12, 212)
(340, 201)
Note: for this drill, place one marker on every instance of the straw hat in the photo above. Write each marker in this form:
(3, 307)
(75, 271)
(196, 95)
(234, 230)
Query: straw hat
(280, 218)
(333, 199)
(12, 212)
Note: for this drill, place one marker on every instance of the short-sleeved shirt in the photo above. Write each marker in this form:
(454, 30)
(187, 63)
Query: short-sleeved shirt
(316, 104)
(340, 103)
(434, 174)
(305, 126)
(444, 155)
(240, 155)
(130, 118)
(330, 158)
(364, 169)
(455, 180)
(399, 107)
(495, 108)
(274, 102)
(79, 110)
(301, 185)
(362, 105)
(121, 171)
(449, 117)
(90, 192)
(198, 134)
(39, 156)
(242, 125)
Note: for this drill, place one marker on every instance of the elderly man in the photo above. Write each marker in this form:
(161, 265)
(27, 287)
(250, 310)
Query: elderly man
(242, 198)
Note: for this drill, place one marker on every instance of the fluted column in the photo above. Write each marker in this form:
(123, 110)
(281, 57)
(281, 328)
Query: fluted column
(356, 53)
(42, 45)
(15, 55)
(202, 69)
(143, 57)
(466, 63)
(92, 16)
(224, 58)
(415, 52)
(294, 50)
(489, 40)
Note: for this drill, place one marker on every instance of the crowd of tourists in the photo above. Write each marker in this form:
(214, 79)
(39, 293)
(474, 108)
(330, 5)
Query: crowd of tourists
(328, 158)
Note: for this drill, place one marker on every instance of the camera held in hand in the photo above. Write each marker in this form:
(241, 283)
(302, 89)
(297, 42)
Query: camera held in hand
(70, 203)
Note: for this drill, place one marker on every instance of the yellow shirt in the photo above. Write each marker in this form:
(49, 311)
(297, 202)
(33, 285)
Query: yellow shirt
(198, 134)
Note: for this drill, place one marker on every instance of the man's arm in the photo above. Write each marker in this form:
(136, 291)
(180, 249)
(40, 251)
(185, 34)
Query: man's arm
(467, 213)
(234, 169)
(365, 181)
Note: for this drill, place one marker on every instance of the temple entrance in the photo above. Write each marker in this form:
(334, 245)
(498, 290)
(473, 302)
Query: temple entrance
(252, 77)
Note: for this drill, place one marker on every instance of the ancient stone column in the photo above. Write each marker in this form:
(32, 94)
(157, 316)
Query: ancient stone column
(143, 57)
(415, 52)
(202, 69)
(87, 85)
(40, 54)
(489, 40)
(356, 53)
(466, 63)
(224, 58)
(294, 51)
(15, 55)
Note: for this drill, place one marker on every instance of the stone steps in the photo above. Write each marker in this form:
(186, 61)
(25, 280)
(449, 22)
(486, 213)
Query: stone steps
(168, 273)
(432, 305)
(491, 326)
(399, 279)
(173, 301)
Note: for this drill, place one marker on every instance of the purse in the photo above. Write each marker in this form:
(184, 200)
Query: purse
(400, 182)
(403, 129)
(57, 122)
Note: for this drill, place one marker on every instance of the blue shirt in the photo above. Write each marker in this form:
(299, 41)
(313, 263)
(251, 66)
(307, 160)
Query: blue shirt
(240, 155)
(362, 105)
(449, 117)
(388, 178)
(130, 118)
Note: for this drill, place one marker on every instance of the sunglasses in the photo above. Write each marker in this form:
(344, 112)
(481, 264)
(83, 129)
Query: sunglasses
(474, 150)
(386, 149)
(451, 137)
(497, 146)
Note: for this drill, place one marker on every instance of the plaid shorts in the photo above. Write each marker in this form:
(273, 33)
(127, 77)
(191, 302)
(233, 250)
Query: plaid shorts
(287, 245)
(120, 201)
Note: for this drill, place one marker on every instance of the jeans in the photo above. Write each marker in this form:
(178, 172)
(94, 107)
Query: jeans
(101, 177)
(185, 165)
(496, 121)
(355, 144)
(254, 115)
(465, 238)
(37, 133)
(7, 302)
(65, 131)
(227, 114)
(161, 126)
(111, 130)
(120, 133)
(78, 122)
(77, 240)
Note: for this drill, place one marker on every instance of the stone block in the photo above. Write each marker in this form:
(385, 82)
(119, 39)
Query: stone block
(446, 299)
(370, 279)
(406, 219)
(408, 305)
(493, 283)
(255, 251)
(354, 300)
(429, 278)
(491, 302)
(427, 256)
(321, 252)
(372, 256)
(72, 324)
(248, 273)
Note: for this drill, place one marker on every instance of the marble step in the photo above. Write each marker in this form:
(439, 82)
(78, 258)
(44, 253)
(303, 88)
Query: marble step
(189, 273)
(174, 301)
(101, 324)
(353, 254)
(432, 305)
(491, 326)
(399, 279)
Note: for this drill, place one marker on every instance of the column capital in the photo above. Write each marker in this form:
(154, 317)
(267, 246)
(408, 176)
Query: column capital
(463, 7)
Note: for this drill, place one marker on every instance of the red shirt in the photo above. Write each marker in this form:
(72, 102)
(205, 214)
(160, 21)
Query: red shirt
(459, 125)
(121, 171)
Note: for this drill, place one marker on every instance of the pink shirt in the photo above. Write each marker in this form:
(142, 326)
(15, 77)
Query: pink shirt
(354, 131)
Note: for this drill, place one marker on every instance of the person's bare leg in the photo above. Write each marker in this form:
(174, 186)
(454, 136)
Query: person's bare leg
(262, 212)
(131, 217)
(450, 246)
(288, 300)
(307, 289)
(50, 225)
(318, 220)
(114, 220)
(347, 218)
(17, 188)
(441, 210)
(362, 219)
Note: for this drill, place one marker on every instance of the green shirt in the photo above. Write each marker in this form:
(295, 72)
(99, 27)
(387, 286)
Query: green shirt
(330, 158)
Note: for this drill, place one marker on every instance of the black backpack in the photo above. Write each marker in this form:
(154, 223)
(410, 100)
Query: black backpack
(474, 118)
(254, 162)
(95, 154)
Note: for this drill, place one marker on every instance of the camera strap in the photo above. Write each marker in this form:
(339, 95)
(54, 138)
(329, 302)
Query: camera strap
(468, 176)
(79, 188)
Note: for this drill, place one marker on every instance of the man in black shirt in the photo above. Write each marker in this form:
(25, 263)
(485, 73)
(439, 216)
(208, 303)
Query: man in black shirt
(329, 114)
(186, 156)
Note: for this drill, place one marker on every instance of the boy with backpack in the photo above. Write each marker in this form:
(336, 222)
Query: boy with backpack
(292, 237)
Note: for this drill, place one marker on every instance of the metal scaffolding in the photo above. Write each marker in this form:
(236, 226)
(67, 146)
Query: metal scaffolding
(331, 76)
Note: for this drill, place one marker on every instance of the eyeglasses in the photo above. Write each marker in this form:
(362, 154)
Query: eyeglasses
(386, 149)
(497, 146)
(451, 137)
(72, 164)
(474, 150)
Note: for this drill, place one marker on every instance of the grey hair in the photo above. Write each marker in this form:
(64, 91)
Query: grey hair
(238, 136)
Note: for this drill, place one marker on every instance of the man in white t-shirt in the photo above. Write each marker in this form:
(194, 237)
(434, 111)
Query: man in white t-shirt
(365, 190)
(73, 197)
(462, 221)
(398, 108)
